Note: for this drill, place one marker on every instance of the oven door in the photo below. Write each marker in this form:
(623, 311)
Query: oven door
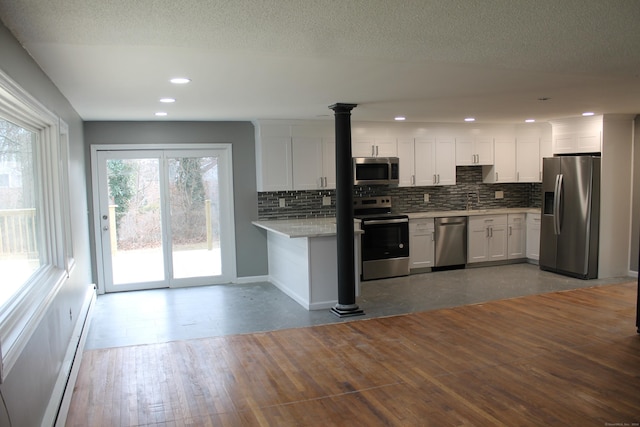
(385, 238)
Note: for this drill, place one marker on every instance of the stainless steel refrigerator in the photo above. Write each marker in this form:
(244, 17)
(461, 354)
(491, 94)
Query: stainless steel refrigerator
(569, 228)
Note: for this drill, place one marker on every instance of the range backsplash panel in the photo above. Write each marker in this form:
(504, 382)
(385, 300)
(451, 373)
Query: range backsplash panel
(308, 204)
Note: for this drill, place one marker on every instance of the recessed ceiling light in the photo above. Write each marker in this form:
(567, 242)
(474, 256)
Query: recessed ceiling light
(470, 119)
(167, 100)
(530, 121)
(161, 114)
(180, 80)
(588, 113)
(400, 118)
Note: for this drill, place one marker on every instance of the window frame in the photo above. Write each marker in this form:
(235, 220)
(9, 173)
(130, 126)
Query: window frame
(21, 314)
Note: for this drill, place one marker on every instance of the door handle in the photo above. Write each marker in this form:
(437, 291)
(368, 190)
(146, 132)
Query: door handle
(105, 228)
(557, 203)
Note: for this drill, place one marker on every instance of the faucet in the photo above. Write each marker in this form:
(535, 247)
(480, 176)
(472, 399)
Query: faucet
(469, 202)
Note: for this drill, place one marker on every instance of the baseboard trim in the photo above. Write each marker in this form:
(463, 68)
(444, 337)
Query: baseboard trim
(251, 279)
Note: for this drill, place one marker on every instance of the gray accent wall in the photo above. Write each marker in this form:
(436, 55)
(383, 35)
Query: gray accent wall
(634, 252)
(251, 244)
(30, 384)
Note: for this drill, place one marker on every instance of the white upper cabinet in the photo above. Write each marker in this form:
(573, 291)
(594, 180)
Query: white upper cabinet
(474, 151)
(445, 161)
(374, 147)
(528, 160)
(518, 157)
(406, 155)
(273, 158)
(313, 163)
(577, 135)
(504, 166)
(426, 161)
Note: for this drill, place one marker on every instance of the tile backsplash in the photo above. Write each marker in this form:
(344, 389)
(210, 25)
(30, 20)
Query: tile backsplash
(308, 204)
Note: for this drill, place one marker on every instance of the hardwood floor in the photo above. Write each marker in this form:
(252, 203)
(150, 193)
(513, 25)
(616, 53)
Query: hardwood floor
(568, 358)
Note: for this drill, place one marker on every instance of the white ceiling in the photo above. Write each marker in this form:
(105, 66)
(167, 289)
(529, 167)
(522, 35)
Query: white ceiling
(431, 61)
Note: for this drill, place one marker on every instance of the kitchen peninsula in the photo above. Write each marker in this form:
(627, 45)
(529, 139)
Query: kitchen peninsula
(303, 262)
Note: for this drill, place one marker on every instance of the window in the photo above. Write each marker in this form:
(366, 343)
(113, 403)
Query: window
(35, 232)
(20, 236)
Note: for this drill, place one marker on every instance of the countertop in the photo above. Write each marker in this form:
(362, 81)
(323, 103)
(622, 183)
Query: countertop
(471, 212)
(320, 227)
(311, 227)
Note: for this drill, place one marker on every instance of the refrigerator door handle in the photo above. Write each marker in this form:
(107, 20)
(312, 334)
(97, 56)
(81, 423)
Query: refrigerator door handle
(557, 201)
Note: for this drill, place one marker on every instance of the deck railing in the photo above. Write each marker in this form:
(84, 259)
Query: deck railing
(18, 232)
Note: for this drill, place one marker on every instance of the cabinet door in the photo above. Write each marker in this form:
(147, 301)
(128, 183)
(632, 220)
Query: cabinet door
(505, 161)
(329, 162)
(374, 147)
(274, 164)
(465, 155)
(445, 161)
(363, 147)
(517, 236)
(484, 151)
(498, 240)
(425, 160)
(307, 163)
(477, 236)
(421, 243)
(528, 160)
(564, 144)
(386, 147)
(589, 142)
(408, 159)
(533, 236)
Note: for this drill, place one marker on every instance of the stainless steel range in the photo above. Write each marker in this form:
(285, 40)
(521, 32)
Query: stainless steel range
(385, 241)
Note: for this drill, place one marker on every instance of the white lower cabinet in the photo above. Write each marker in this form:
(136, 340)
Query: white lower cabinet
(421, 243)
(517, 236)
(487, 238)
(533, 236)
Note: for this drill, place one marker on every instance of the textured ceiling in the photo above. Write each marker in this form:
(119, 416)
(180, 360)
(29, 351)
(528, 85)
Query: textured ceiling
(434, 61)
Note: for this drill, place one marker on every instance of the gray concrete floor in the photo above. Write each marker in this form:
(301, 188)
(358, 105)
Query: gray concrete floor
(162, 315)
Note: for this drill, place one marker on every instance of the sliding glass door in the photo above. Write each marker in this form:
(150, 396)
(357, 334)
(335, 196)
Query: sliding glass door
(165, 217)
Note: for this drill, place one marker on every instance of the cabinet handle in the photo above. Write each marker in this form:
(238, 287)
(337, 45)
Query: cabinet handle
(373, 151)
(434, 178)
(517, 176)
(376, 151)
(496, 176)
(433, 237)
(487, 232)
(491, 234)
(413, 180)
(510, 230)
(438, 178)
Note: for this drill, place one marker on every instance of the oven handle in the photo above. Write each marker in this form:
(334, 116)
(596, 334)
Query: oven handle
(384, 221)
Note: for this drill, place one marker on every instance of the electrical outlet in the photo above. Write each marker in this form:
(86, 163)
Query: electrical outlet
(426, 197)
(499, 194)
(326, 201)
(282, 202)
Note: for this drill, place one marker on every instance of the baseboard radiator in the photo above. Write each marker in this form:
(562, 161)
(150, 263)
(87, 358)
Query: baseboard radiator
(56, 413)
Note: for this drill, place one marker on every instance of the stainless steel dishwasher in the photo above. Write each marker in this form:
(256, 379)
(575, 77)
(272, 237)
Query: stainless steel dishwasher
(451, 241)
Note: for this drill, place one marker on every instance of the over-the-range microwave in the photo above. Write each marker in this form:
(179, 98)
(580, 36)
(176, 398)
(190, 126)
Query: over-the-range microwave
(376, 170)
